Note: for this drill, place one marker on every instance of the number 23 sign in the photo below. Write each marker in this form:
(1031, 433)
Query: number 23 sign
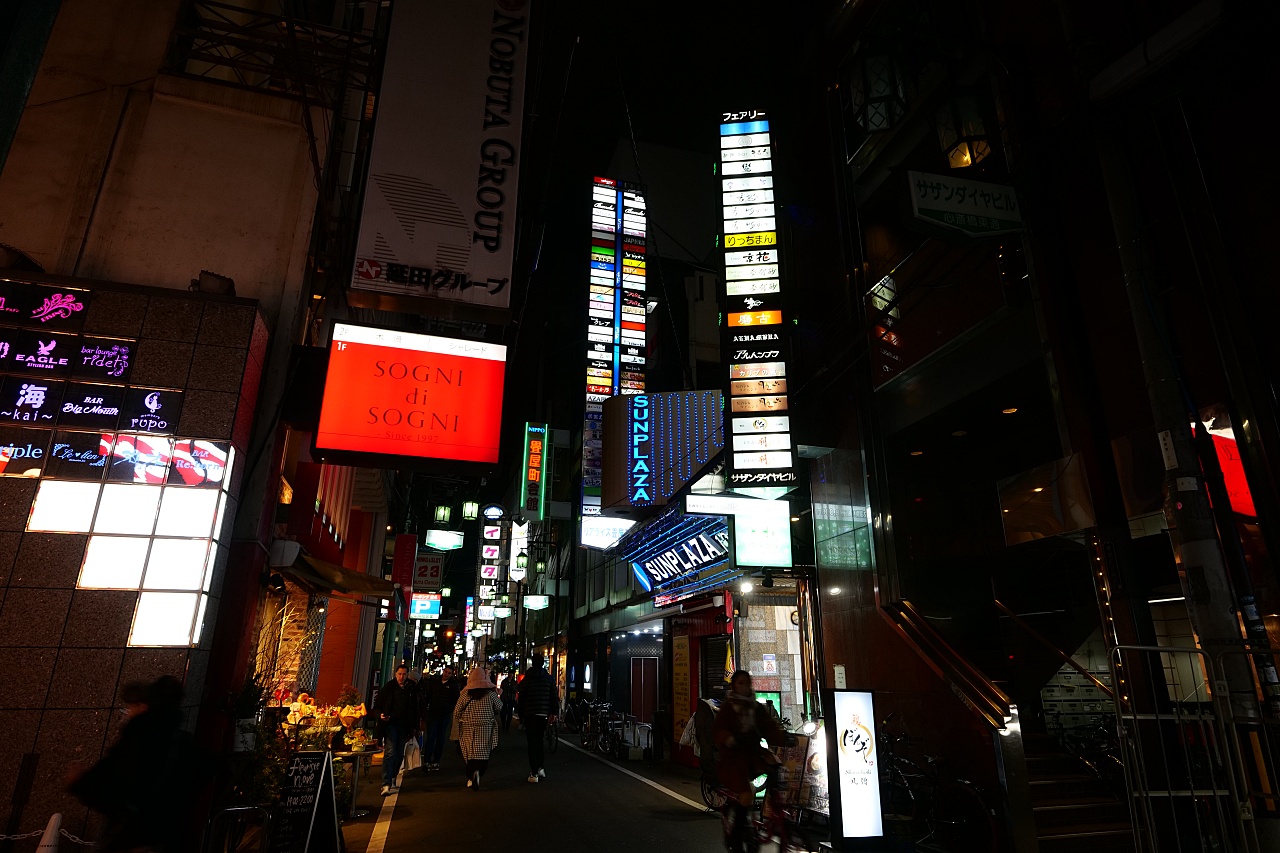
(428, 571)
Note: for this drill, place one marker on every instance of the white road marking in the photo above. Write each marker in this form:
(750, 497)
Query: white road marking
(378, 840)
(702, 807)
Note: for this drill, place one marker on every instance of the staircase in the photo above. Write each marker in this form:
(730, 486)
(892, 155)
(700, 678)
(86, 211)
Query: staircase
(1073, 810)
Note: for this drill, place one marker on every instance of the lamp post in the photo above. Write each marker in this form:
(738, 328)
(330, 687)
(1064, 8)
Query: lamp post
(522, 621)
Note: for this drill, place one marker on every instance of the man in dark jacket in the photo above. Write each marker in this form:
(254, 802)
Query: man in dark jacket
(437, 697)
(398, 716)
(536, 700)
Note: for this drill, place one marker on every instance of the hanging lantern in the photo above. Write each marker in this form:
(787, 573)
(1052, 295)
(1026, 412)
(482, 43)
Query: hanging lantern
(443, 513)
(962, 132)
(470, 510)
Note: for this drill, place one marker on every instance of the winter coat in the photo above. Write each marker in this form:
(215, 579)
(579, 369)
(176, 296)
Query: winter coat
(537, 694)
(745, 721)
(476, 720)
(400, 704)
(437, 698)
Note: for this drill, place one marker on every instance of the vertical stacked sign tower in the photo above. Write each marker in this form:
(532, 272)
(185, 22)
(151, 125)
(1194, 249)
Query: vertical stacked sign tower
(755, 339)
(616, 320)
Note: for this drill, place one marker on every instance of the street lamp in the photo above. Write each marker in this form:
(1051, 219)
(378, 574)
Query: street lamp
(470, 510)
(522, 560)
(541, 566)
(962, 133)
(443, 513)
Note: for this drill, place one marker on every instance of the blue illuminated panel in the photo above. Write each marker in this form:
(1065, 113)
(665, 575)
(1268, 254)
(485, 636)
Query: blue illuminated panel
(679, 550)
(670, 438)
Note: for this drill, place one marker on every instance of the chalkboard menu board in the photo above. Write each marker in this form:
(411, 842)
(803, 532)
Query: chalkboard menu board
(306, 816)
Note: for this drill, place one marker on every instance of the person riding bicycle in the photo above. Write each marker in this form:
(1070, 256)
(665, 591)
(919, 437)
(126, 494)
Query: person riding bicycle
(738, 729)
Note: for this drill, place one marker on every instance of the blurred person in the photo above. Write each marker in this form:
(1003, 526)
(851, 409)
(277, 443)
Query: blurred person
(537, 701)
(508, 693)
(437, 697)
(738, 728)
(476, 719)
(148, 781)
(398, 720)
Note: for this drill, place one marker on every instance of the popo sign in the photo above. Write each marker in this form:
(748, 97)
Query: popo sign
(396, 393)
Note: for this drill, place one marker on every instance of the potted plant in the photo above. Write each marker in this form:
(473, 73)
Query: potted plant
(245, 708)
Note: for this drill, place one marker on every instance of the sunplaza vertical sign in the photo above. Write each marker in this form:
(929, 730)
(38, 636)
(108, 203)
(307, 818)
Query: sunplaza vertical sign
(615, 331)
(761, 457)
(533, 494)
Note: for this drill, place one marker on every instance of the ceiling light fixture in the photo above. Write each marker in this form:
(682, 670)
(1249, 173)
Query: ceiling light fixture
(1010, 410)
(1038, 489)
(917, 453)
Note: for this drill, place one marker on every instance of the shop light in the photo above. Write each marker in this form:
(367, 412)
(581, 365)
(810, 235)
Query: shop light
(746, 587)
(1038, 489)
(470, 510)
(1009, 411)
(388, 528)
(795, 518)
(835, 590)
(809, 728)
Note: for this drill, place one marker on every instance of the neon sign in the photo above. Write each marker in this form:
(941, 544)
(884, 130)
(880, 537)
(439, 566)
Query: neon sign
(639, 467)
(534, 494)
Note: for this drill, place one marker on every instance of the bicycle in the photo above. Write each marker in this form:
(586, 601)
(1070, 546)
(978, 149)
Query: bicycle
(932, 810)
(592, 725)
(552, 735)
(574, 714)
(770, 819)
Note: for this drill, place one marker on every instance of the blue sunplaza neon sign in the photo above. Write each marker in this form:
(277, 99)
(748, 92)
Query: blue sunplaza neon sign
(639, 468)
(679, 550)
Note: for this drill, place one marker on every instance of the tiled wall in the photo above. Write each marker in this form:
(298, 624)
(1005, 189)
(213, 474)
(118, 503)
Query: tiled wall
(64, 652)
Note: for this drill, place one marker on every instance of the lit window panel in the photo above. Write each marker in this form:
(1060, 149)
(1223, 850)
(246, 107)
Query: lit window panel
(176, 564)
(164, 619)
(129, 509)
(113, 562)
(63, 507)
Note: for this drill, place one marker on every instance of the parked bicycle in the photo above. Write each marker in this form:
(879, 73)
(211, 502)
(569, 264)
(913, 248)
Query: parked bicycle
(1097, 745)
(928, 806)
(575, 714)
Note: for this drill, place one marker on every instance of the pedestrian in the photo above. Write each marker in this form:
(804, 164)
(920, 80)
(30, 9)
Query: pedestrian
(508, 692)
(397, 719)
(537, 701)
(147, 783)
(476, 718)
(738, 728)
(437, 697)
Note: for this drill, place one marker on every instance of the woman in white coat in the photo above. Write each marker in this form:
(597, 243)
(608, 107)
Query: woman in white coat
(476, 720)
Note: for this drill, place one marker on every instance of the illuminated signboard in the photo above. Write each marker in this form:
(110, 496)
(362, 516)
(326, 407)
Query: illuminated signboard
(534, 493)
(395, 393)
(424, 605)
(853, 759)
(677, 549)
(537, 602)
(668, 439)
(428, 571)
(603, 532)
(501, 611)
(443, 540)
(40, 307)
(484, 613)
(493, 512)
(761, 529)
(761, 460)
(616, 314)
(467, 620)
(519, 543)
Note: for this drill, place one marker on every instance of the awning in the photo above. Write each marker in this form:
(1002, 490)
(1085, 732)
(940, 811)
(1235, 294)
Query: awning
(327, 576)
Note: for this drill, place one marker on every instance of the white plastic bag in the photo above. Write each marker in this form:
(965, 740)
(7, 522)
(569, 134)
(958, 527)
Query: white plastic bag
(412, 755)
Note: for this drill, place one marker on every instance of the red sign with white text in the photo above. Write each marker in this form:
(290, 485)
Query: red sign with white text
(402, 394)
(403, 560)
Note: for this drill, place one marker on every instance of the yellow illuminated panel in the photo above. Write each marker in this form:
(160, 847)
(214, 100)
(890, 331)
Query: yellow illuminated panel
(758, 238)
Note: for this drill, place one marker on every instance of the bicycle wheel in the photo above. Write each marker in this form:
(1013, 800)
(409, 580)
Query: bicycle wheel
(962, 823)
(553, 737)
(711, 795)
(588, 738)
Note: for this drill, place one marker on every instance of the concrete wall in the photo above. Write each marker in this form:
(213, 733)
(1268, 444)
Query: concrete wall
(122, 172)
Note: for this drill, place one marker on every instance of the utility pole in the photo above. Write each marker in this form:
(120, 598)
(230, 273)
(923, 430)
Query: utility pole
(1202, 568)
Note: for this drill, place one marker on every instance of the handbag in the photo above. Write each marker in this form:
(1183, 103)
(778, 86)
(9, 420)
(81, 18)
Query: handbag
(412, 755)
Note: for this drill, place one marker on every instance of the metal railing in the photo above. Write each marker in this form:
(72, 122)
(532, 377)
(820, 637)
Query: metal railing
(1199, 779)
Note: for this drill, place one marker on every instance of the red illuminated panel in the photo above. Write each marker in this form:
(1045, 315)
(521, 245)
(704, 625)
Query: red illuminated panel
(403, 394)
(1233, 475)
